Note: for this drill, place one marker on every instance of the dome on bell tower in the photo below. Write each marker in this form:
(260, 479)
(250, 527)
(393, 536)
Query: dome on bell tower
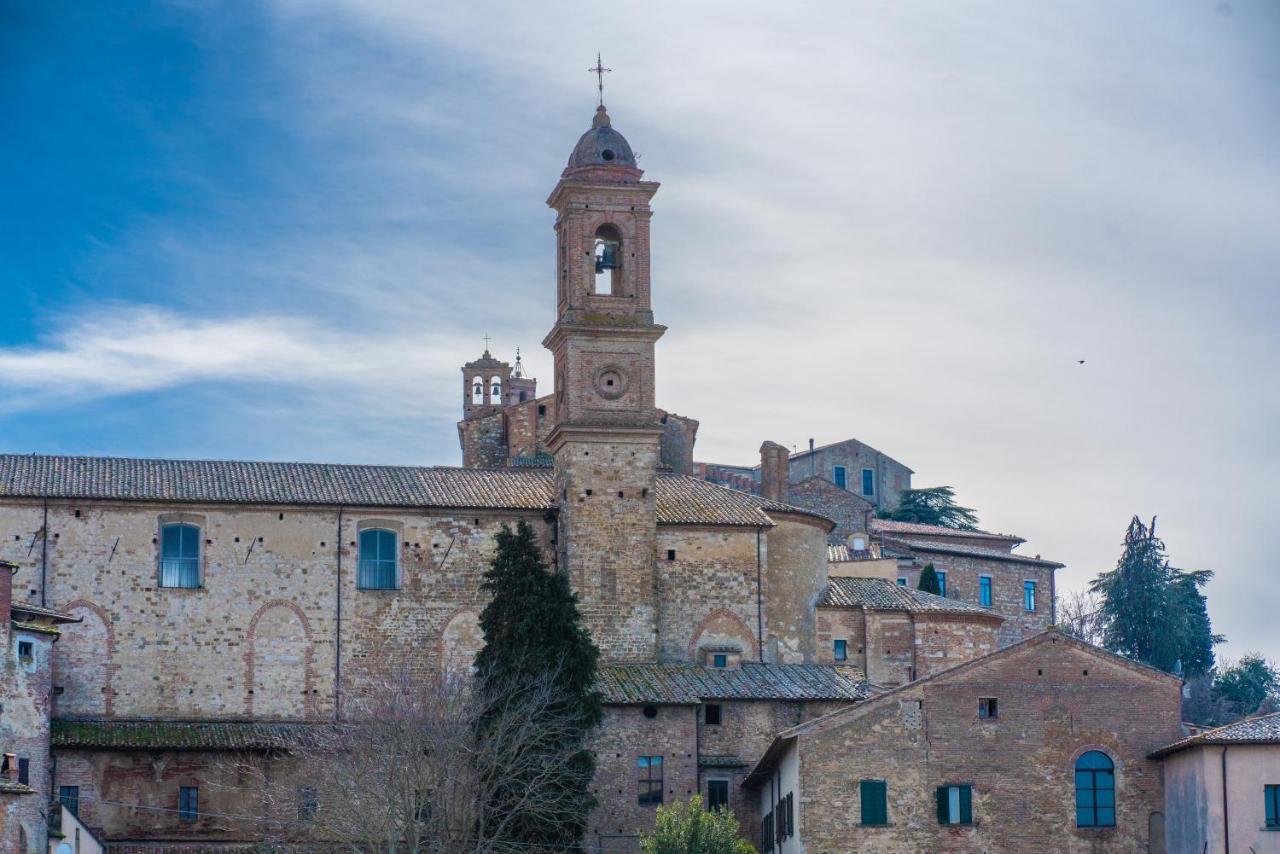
(602, 145)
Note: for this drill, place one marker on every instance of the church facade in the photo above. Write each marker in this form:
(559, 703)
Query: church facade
(215, 606)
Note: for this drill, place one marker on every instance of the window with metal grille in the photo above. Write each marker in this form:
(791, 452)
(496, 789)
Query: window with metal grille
(717, 794)
(649, 772)
(180, 555)
(984, 591)
(377, 567)
(955, 805)
(840, 649)
(1095, 790)
(874, 797)
(69, 797)
(188, 803)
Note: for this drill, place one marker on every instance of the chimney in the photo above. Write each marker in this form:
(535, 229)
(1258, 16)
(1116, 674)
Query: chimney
(775, 464)
(813, 461)
(7, 571)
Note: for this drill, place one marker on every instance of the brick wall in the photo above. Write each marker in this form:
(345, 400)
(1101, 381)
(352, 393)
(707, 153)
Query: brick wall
(849, 511)
(707, 594)
(24, 731)
(1007, 578)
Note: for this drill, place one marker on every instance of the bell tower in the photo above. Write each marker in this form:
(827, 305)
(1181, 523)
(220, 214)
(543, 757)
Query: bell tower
(606, 438)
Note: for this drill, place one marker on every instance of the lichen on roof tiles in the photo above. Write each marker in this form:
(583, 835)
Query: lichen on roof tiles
(626, 684)
(886, 595)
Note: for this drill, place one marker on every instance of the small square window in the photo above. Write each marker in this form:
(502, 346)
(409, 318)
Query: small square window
(841, 649)
(988, 708)
(671, 554)
(720, 659)
(26, 651)
(711, 714)
(902, 582)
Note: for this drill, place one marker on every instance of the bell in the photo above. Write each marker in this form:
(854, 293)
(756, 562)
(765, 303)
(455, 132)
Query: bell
(608, 257)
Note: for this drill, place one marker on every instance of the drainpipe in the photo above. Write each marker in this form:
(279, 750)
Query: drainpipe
(759, 597)
(44, 554)
(337, 645)
(1226, 816)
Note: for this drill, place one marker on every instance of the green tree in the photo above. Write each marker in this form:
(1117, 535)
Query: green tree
(1247, 685)
(533, 632)
(929, 581)
(687, 828)
(1153, 613)
(935, 505)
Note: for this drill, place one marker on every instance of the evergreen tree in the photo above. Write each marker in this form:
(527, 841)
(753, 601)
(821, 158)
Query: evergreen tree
(1247, 685)
(935, 505)
(532, 629)
(1152, 612)
(929, 582)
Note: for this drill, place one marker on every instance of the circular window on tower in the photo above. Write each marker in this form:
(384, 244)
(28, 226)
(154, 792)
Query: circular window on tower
(607, 154)
(610, 383)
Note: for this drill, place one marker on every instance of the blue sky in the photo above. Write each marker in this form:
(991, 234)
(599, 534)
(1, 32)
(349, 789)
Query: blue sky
(276, 229)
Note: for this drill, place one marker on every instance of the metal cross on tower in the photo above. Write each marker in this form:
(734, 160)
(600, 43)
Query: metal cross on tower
(600, 71)
(486, 342)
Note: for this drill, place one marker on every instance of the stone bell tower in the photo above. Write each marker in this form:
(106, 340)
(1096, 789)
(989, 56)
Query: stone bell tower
(606, 438)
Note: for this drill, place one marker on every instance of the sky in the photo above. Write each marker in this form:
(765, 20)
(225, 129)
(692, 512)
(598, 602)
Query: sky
(1030, 250)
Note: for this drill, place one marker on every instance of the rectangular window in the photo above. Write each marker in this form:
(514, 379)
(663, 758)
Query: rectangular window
(69, 797)
(26, 651)
(717, 794)
(188, 803)
(988, 708)
(1029, 595)
(841, 648)
(711, 714)
(902, 582)
(377, 563)
(1271, 794)
(671, 554)
(942, 583)
(874, 795)
(720, 659)
(840, 475)
(308, 803)
(984, 591)
(180, 556)
(955, 805)
(24, 771)
(868, 482)
(649, 776)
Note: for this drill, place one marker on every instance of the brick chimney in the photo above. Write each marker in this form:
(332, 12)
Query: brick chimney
(7, 571)
(775, 463)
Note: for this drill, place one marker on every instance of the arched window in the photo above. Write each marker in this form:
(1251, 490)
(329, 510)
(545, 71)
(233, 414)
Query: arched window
(1095, 790)
(495, 391)
(180, 555)
(477, 391)
(377, 568)
(607, 257)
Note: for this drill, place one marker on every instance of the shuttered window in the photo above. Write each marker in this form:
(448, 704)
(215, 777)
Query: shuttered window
(874, 795)
(955, 805)
(1271, 794)
(188, 803)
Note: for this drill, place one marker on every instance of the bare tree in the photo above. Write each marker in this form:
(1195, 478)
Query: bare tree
(1078, 612)
(407, 773)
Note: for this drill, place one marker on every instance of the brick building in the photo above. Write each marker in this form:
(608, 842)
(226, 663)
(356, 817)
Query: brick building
(1042, 746)
(223, 607)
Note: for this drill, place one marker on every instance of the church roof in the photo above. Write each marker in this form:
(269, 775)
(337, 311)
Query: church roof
(602, 145)
(883, 594)
(680, 499)
(681, 684)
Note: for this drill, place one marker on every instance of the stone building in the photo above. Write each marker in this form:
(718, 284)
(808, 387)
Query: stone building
(224, 607)
(1222, 788)
(1040, 747)
(27, 636)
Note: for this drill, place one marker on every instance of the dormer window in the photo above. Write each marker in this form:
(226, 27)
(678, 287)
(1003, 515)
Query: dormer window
(722, 657)
(719, 659)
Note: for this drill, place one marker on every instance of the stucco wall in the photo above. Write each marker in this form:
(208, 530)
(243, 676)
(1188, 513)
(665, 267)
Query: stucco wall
(1195, 818)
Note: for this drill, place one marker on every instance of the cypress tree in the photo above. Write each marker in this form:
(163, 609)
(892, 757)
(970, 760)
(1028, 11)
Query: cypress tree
(929, 580)
(533, 631)
(1152, 612)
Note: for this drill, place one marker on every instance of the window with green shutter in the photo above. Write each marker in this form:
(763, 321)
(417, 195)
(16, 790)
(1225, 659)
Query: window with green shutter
(875, 801)
(955, 805)
(1271, 793)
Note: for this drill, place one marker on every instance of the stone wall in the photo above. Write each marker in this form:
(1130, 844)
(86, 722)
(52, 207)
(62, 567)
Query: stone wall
(849, 511)
(1007, 578)
(25, 687)
(795, 575)
(706, 589)
(891, 476)
(1056, 701)
(904, 644)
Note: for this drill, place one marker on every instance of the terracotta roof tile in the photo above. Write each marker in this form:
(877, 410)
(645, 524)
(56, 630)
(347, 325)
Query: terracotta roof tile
(41, 611)
(1264, 729)
(890, 526)
(886, 595)
(176, 735)
(680, 500)
(973, 551)
(13, 787)
(629, 684)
